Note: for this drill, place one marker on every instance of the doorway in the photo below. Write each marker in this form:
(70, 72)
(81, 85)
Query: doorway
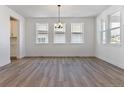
(14, 39)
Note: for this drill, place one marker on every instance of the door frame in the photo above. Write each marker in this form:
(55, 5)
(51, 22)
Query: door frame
(18, 36)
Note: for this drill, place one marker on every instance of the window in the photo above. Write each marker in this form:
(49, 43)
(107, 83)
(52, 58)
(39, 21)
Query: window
(103, 30)
(41, 33)
(59, 35)
(115, 28)
(77, 32)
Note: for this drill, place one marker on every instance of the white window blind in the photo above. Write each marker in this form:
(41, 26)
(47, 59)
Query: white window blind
(59, 35)
(41, 33)
(77, 33)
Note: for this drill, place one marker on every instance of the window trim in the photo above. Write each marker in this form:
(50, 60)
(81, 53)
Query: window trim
(58, 33)
(36, 31)
(110, 29)
(108, 33)
(83, 34)
(106, 20)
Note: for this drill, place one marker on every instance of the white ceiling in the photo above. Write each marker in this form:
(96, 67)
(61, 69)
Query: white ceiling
(51, 10)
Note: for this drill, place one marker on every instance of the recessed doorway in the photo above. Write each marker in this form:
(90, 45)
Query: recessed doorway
(14, 31)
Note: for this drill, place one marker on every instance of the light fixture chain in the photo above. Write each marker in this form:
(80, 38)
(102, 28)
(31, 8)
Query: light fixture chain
(59, 13)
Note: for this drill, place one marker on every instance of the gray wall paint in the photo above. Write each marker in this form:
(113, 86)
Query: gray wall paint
(86, 49)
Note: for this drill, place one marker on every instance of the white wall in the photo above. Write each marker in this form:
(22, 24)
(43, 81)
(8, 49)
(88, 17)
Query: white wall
(113, 54)
(5, 14)
(86, 49)
(4, 36)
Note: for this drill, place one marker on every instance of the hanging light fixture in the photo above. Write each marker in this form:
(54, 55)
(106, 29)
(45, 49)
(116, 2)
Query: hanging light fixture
(59, 25)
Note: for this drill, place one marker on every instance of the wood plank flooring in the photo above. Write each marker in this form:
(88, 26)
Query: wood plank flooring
(61, 72)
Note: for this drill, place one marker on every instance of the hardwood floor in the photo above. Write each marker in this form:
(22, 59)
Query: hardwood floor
(61, 72)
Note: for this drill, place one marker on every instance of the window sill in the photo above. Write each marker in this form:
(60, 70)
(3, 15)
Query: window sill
(69, 43)
(113, 45)
(76, 43)
(41, 43)
(59, 43)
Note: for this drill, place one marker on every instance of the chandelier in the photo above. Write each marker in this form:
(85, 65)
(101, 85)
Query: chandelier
(59, 25)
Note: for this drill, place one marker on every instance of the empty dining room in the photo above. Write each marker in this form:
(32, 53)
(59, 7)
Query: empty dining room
(61, 45)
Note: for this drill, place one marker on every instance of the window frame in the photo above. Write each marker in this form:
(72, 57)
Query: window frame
(110, 29)
(36, 41)
(104, 19)
(82, 33)
(54, 33)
